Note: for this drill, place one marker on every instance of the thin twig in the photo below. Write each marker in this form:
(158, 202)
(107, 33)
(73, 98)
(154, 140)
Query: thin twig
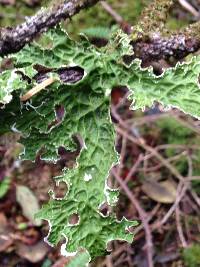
(177, 146)
(143, 216)
(134, 168)
(195, 196)
(142, 144)
(146, 119)
(189, 7)
(152, 151)
(186, 124)
(150, 217)
(158, 166)
(181, 190)
(177, 210)
(190, 167)
(179, 228)
(112, 12)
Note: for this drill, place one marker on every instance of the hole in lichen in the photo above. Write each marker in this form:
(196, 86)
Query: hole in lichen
(68, 157)
(60, 190)
(71, 74)
(59, 114)
(128, 59)
(23, 76)
(42, 69)
(118, 94)
(111, 245)
(66, 74)
(159, 67)
(42, 73)
(111, 182)
(6, 64)
(74, 219)
(130, 229)
(99, 42)
(79, 141)
(104, 209)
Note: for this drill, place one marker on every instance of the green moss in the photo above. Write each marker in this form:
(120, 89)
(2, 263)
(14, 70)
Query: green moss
(4, 186)
(153, 18)
(191, 256)
(175, 24)
(173, 132)
(11, 15)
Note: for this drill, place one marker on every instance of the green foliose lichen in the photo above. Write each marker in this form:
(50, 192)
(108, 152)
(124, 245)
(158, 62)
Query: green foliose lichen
(191, 256)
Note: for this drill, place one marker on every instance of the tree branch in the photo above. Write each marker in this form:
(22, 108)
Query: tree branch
(177, 46)
(152, 40)
(13, 39)
(154, 47)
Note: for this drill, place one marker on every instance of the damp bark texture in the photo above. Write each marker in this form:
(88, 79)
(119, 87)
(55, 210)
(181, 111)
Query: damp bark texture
(14, 39)
(177, 46)
(152, 47)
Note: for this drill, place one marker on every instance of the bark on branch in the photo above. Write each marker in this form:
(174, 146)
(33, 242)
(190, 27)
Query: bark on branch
(152, 45)
(13, 39)
(177, 46)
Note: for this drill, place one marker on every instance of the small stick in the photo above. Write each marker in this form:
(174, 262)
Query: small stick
(38, 88)
(189, 8)
(143, 217)
(134, 168)
(179, 227)
(112, 12)
(147, 148)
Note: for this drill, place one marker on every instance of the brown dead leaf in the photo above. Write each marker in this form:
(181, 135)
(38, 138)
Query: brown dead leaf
(162, 192)
(29, 203)
(34, 253)
(5, 239)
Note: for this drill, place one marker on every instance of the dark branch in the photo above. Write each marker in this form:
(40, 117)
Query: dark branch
(177, 46)
(155, 41)
(148, 48)
(13, 39)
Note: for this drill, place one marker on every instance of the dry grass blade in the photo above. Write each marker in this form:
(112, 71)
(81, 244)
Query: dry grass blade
(35, 90)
